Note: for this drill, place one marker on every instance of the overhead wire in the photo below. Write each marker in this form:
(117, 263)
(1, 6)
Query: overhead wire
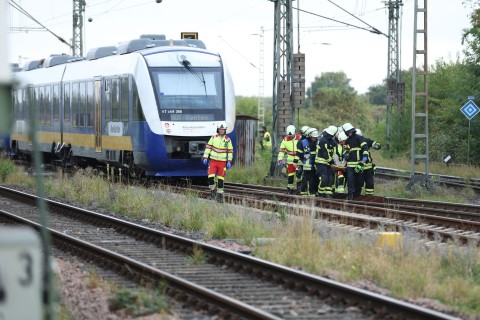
(16, 6)
(374, 30)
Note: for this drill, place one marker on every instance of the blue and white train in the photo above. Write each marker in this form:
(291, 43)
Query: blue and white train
(147, 106)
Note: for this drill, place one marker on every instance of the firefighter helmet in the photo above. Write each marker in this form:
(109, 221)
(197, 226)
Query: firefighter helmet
(222, 125)
(342, 136)
(358, 131)
(304, 130)
(314, 133)
(291, 130)
(331, 130)
(348, 128)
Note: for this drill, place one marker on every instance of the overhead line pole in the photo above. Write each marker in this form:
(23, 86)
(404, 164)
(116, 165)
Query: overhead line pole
(78, 30)
(283, 113)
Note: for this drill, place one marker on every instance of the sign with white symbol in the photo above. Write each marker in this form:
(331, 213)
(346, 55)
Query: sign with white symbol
(470, 110)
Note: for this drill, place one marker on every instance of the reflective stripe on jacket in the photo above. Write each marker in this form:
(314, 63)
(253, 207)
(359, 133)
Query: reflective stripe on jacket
(219, 148)
(358, 150)
(288, 147)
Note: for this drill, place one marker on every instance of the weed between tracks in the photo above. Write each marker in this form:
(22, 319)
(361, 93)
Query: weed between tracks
(445, 273)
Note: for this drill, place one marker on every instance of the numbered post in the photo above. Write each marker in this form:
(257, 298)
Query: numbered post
(20, 274)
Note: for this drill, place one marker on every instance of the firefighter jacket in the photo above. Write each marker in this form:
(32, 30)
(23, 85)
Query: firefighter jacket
(358, 149)
(306, 150)
(370, 144)
(219, 148)
(288, 147)
(325, 150)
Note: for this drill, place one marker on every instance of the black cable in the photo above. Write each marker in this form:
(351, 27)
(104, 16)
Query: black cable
(23, 11)
(374, 30)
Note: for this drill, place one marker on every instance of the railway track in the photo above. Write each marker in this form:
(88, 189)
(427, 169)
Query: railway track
(217, 281)
(446, 180)
(435, 220)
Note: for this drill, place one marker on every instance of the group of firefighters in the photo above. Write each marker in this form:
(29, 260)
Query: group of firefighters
(323, 163)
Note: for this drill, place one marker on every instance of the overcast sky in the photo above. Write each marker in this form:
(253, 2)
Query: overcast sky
(233, 28)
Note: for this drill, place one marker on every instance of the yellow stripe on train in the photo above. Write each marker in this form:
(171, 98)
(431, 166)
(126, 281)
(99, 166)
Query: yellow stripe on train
(80, 140)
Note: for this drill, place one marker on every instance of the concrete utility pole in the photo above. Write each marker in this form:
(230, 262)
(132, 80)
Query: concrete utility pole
(419, 133)
(395, 87)
(77, 41)
(283, 113)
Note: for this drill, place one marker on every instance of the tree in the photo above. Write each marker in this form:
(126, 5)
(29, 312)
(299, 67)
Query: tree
(377, 94)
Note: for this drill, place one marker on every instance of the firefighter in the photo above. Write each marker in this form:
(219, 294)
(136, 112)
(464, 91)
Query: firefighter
(266, 139)
(356, 161)
(306, 150)
(297, 163)
(369, 170)
(323, 160)
(340, 161)
(288, 149)
(219, 151)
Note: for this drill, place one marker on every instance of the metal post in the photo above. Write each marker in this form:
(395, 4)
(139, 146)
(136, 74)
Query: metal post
(468, 148)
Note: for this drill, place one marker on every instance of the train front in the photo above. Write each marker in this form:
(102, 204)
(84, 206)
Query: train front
(193, 92)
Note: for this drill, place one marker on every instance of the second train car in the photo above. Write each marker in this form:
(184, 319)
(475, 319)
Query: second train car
(150, 107)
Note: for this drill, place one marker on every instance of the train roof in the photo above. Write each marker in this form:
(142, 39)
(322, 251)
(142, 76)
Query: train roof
(146, 41)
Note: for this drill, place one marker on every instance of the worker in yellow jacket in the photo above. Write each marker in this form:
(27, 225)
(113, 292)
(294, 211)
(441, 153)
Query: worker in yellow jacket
(288, 150)
(218, 156)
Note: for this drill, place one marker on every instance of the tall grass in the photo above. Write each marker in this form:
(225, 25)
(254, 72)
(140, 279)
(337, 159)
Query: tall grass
(444, 273)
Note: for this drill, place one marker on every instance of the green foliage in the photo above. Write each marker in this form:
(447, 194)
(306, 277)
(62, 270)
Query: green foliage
(136, 303)
(247, 106)
(7, 167)
(377, 94)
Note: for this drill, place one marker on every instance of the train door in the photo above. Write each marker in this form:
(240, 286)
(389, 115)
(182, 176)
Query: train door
(98, 114)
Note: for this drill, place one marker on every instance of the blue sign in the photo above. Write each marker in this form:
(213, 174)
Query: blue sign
(470, 110)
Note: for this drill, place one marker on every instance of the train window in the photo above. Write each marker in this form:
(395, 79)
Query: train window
(66, 102)
(56, 103)
(82, 103)
(137, 106)
(48, 106)
(41, 105)
(89, 119)
(108, 101)
(194, 94)
(75, 91)
(115, 100)
(124, 100)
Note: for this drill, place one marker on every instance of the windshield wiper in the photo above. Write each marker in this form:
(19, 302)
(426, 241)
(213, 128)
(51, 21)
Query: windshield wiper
(187, 65)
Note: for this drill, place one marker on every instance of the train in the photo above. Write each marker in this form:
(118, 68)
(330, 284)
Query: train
(148, 106)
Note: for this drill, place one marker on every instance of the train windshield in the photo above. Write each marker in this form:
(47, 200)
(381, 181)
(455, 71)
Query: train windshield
(189, 93)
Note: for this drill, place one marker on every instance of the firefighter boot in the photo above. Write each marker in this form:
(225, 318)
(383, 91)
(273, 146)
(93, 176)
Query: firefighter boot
(220, 197)
(350, 196)
(212, 194)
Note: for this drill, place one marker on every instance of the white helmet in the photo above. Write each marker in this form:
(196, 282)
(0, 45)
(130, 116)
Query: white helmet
(313, 133)
(340, 129)
(221, 125)
(347, 127)
(304, 130)
(331, 130)
(358, 131)
(342, 136)
(291, 130)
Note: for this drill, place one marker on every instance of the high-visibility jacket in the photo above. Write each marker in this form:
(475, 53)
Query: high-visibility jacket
(219, 148)
(267, 140)
(288, 147)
